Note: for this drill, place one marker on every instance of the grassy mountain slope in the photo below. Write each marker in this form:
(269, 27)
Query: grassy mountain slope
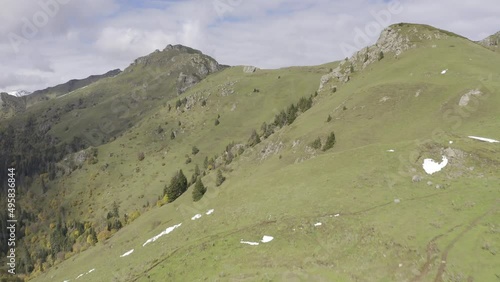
(383, 218)
(64, 88)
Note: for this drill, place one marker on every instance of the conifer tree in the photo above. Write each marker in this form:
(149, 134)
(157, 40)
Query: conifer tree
(199, 190)
(220, 178)
(178, 185)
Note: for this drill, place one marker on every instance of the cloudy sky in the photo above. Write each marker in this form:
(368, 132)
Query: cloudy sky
(46, 42)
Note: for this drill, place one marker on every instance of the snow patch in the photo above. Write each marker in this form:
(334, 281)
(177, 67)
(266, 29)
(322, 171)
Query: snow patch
(165, 232)
(266, 239)
(318, 224)
(127, 253)
(484, 139)
(78, 277)
(196, 217)
(209, 212)
(337, 215)
(391, 151)
(430, 166)
(249, 243)
(444, 71)
(451, 142)
(90, 271)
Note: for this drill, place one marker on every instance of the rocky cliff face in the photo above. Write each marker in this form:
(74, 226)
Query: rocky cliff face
(393, 41)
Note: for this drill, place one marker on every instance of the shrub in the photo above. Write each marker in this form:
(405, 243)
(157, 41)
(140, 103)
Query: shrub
(329, 118)
(103, 235)
(380, 55)
(188, 160)
(195, 150)
(140, 156)
(217, 122)
(330, 141)
(220, 178)
(203, 103)
(199, 190)
(316, 144)
(172, 135)
(162, 201)
(133, 216)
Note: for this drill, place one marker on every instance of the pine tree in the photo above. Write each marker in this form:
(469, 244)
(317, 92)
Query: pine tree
(380, 55)
(196, 173)
(178, 185)
(199, 190)
(254, 139)
(205, 162)
(220, 178)
(330, 141)
(291, 114)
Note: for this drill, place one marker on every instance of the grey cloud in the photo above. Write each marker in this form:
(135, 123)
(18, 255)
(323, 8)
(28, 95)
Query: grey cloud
(93, 36)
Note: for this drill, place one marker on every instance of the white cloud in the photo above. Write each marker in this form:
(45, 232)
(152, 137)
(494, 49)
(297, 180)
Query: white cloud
(94, 36)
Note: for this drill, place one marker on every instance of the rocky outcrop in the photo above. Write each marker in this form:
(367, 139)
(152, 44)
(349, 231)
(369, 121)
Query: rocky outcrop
(464, 100)
(16, 104)
(393, 41)
(491, 42)
(249, 69)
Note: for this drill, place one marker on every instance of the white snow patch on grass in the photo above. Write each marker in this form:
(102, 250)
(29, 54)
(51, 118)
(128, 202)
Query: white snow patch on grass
(430, 166)
(249, 243)
(451, 142)
(209, 212)
(391, 151)
(127, 253)
(165, 232)
(266, 239)
(484, 139)
(196, 217)
(318, 224)
(444, 71)
(337, 215)
(78, 277)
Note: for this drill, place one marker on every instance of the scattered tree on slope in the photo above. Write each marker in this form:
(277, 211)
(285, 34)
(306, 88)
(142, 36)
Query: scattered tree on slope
(178, 185)
(199, 190)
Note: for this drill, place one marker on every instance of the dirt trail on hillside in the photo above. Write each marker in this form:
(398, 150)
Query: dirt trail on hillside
(472, 224)
(431, 251)
(432, 248)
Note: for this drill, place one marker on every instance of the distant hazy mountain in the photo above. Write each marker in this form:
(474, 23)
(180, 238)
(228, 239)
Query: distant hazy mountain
(72, 85)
